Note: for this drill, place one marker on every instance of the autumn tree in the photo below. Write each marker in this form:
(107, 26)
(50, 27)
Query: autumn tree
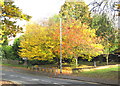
(9, 15)
(78, 40)
(77, 10)
(36, 43)
(43, 42)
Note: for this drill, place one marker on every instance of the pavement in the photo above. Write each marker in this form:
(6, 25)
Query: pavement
(33, 77)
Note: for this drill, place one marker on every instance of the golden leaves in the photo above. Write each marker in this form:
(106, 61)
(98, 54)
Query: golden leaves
(36, 42)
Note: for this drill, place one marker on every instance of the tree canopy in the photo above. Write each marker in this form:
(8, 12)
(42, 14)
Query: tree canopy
(77, 10)
(35, 43)
(10, 13)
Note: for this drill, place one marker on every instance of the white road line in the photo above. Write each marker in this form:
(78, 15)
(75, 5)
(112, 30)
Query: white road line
(55, 83)
(46, 81)
(13, 75)
(35, 79)
(25, 78)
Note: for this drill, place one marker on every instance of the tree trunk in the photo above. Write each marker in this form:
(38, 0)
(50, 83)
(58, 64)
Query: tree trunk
(94, 63)
(25, 63)
(107, 58)
(76, 61)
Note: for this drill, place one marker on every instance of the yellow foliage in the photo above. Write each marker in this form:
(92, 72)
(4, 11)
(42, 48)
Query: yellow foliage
(1, 2)
(34, 44)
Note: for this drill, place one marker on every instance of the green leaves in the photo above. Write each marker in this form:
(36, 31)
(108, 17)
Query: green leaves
(8, 52)
(104, 29)
(9, 16)
(76, 10)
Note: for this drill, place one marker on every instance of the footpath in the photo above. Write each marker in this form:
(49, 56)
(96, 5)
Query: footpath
(63, 76)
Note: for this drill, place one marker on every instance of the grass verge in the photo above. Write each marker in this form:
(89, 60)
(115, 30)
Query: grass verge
(107, 73)
(12, 65)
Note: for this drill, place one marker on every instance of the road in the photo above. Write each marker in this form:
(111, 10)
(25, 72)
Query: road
(30, 79)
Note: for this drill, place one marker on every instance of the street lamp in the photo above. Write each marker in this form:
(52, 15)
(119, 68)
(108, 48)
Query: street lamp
(60, 45)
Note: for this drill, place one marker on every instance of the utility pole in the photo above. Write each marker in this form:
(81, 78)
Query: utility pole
(60, 45)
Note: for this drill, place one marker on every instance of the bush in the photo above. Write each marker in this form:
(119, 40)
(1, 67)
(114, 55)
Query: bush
(8, 52)
(39, 62)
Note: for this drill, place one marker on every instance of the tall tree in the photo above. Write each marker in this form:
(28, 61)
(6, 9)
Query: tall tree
(16, 47)
(36, 43)
(107, 7)
(8, 52)
(77, 10)
(9, 16)
(1, 32)
(104, 29)
(78, 40)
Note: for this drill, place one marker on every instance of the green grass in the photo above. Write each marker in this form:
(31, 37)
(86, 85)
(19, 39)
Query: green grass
(108, 73)
(0, 62)
(12, 65)
(97, 63)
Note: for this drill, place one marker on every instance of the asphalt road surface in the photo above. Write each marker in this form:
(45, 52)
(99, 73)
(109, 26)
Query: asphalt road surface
(31, 79)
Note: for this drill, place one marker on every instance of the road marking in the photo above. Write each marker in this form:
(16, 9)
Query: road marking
(35, 79)
(42, 80)
(55, 83)
(46, 81)
(25, 78)
(13, 75)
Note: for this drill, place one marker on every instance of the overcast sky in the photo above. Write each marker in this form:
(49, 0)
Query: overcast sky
(40, 9)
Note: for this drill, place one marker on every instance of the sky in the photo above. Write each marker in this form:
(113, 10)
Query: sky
(41, 9)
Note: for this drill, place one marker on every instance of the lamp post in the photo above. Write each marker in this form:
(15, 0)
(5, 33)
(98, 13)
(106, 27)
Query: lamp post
(60, 45)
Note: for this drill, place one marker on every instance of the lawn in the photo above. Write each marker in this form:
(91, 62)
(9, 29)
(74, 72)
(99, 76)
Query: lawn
(107, 73)
(12, 65)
